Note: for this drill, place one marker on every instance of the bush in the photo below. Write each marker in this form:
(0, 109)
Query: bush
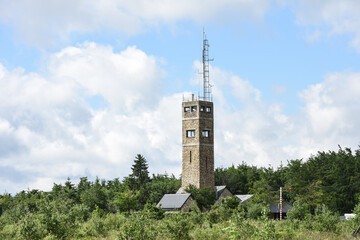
(255, 210)
(30, 227)
(326, 220)
(299, 211)
(268, 231)
(114, 221)
(137, 227)
(81, 212)
(179, 226)
(153, 212)
(230, 203)
(9, 231)
(204, 197)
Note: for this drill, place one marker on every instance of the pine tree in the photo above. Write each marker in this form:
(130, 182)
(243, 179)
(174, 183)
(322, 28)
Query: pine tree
(140, 174)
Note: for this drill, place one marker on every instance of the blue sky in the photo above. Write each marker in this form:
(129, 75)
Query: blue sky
(85, 86)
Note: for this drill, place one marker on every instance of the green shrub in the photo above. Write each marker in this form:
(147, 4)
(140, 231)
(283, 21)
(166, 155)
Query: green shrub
(30, 227)
(230, 203)
(81, 212)
(256, 210)
(179, 226)
(299, 211)
(240, 228)
(268, 231)
(325, 220)
(114, 221)
(153, 212)
(9, 231)
(138, 228)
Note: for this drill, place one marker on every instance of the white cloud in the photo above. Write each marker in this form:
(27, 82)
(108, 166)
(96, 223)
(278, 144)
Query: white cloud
(126, 79)
(49, 130)
(41, 23)
(330, 18)
(331, 109)
(250, 130)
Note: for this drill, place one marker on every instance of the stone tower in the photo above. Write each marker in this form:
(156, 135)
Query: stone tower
(197, 144)
(198, 134)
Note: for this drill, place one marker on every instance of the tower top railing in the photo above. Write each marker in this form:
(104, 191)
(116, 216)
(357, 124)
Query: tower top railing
(193, 97)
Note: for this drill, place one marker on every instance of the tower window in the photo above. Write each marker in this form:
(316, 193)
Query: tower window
(194, 108)
(205, 133)
(190, 133)
(208, 109)
(190, 156)
(186, 109)
(202, 108)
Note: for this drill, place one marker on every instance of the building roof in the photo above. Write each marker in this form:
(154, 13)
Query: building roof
(275, 207)
(179, 191)
(243, 198)
(219, 190)
(173, 201)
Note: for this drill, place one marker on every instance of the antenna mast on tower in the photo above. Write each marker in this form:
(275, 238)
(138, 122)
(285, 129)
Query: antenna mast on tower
(205, 55)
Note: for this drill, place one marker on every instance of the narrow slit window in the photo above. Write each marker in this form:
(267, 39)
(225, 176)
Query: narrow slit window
(190, 133)
(206, 160)
(205, 133)
(190, 156)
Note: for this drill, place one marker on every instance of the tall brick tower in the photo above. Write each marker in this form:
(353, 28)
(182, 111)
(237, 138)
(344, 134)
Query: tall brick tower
(198, 134)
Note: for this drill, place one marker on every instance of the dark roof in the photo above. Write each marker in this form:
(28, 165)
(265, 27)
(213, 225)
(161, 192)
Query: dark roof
(173, 201)
(275, 207)
(243, 198)
(219, 190)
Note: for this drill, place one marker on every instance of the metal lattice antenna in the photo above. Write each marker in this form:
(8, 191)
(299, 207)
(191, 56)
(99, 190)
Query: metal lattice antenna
(205, 55)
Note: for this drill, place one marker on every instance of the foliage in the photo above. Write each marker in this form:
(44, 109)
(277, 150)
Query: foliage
(162, 184)
(127, 201)
(140, 174)
(299, 211)
(204, 197)
(325, 185)
(153, 212)
(179, 226)
(256, 210)
(230, 203)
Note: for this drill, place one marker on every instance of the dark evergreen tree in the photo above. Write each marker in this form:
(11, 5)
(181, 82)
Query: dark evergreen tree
(140, 174)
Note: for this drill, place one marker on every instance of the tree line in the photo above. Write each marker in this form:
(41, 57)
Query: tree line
(328, 178)
(326, 183)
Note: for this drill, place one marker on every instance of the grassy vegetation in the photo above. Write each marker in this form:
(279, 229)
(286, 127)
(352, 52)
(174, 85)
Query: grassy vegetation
(326, 185)
(220, 222)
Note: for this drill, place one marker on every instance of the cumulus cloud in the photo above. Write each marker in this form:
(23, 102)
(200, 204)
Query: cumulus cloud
(41, 23)
(49, 131)
(330, 18)
(331, 109)
(249, 129)
(126, 79)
